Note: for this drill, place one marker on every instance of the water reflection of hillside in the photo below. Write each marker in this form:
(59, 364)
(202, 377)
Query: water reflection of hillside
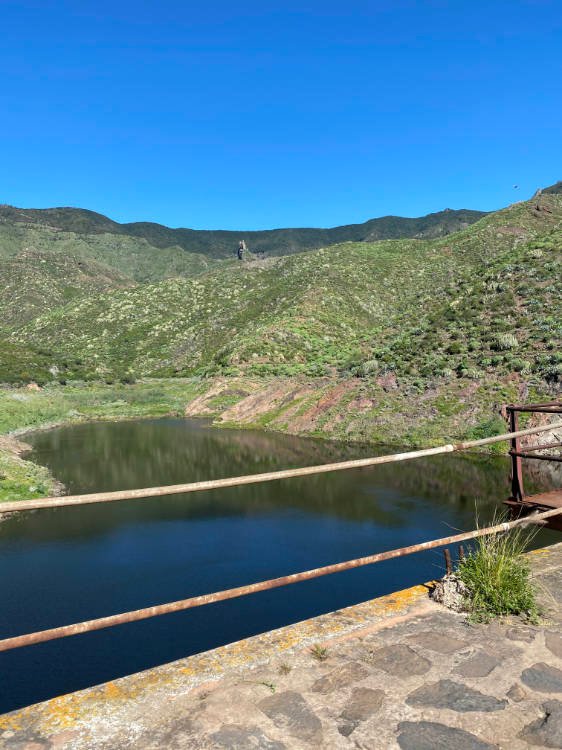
(153, 452)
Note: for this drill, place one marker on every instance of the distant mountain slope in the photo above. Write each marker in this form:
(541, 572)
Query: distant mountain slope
(222, 243)
(42, 268)
(133, 257)
(486, 299)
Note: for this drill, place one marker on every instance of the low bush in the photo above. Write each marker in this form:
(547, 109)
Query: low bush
(505, 341)
(498, 577)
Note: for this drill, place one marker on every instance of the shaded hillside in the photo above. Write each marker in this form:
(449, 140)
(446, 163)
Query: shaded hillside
(483, 301)
(222, 243)
(131, 257)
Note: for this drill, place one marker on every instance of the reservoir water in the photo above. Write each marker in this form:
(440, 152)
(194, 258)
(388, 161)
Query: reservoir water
(72, 564)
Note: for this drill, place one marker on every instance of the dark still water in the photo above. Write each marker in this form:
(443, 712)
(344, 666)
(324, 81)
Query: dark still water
(72, 564)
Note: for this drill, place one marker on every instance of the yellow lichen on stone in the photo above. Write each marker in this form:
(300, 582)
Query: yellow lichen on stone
(10, 722)
(542, 551)
(63, 712)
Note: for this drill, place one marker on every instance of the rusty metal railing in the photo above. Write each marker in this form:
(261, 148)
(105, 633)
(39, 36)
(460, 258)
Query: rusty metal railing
(199, 601)
(512, 412)
(180, 489)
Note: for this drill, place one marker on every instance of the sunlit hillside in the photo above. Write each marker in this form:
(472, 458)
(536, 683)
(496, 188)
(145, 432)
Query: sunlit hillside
(486, 299)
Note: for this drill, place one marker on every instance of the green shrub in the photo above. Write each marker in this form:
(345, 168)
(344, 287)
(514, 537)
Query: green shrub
(521, 365)
(498, 578)
(367, 368)
(554, 373)
(473, 373)
(504, 341)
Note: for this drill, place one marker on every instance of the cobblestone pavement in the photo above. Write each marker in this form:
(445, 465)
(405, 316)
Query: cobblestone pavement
(421, 679)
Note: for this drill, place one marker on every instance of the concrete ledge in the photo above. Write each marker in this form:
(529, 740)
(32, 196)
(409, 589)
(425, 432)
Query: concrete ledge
(109, 702)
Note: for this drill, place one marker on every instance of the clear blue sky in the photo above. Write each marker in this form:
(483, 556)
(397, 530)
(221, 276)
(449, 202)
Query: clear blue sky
(258, 114)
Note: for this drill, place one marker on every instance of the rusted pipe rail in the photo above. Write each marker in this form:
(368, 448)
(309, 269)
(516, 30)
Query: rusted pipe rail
(543, 447)
(554, 408)
(535, 457)
(213, 484)
(199, 601)
(532, 407)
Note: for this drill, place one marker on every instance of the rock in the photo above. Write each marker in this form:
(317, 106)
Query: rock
(428, 735)
(543, 677)
(244, 738)
(340, 678)
(546, 731)
(178, 732)
(400, 661)
(290, 712)
(516, 693)
(363, 704)
(26, 739)
(432, 641)
(526, 635)
(552, 582)
(553, 642)
(454, 696)
(451, 592)
(387, 382)
(478, 665)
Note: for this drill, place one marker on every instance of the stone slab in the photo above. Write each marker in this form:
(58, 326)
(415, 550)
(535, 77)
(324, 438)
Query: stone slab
(543, 677)
(427, 735)
(454, 696)
(480, 664)
(547, 730)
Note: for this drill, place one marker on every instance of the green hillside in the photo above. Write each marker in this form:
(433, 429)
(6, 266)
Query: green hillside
(132, 257)
(34, 282)
(486, 300)
(23, 363)
(42, 268)
(222, 243)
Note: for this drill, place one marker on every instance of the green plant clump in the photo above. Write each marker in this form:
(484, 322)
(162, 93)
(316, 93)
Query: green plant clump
(498, 578)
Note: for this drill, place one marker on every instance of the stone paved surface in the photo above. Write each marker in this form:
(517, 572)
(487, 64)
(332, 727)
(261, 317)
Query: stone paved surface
(400, 672)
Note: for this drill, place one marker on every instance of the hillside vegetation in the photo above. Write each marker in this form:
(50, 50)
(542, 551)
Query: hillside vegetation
(221, 243)
(130, 256)
(34, 282)
(42, 268)
(486, 300)
(23, 363)
(411, 341)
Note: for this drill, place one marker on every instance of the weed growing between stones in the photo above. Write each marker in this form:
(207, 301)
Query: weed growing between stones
(498, 577)
(319, 652)
(269, 686)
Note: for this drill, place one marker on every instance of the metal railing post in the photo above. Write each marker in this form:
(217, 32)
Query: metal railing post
(516, 465)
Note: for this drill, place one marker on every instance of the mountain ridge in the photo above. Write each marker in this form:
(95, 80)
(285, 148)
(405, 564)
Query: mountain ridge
(222, 243)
